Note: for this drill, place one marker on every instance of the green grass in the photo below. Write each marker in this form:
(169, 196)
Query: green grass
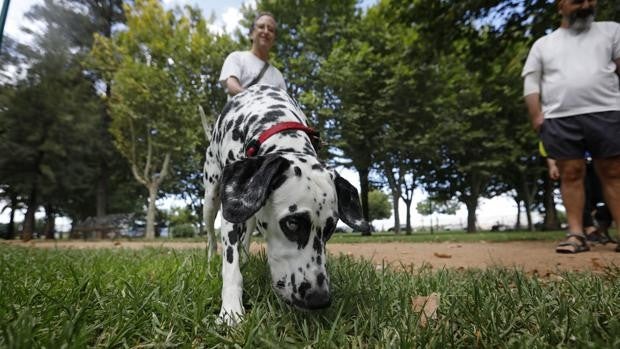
(442, 236)
(167, 298)
(446, 236)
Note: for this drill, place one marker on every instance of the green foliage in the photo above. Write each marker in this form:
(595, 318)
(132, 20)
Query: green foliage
(162, 298)
(431, 205)
(183, 230)
(379, 205)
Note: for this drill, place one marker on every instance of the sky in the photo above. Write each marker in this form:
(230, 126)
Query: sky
(226, 19)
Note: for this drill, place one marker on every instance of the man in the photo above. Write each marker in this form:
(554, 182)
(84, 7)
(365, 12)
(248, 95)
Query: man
(242, 69)
(572, 93)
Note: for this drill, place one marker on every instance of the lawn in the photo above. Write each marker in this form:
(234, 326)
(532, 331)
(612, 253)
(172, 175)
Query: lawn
(167, 298)
(449, 236)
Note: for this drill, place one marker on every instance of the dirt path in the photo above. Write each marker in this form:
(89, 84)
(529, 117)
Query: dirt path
(532, 256)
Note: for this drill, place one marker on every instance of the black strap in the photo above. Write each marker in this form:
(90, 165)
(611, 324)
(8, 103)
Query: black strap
(259, 76)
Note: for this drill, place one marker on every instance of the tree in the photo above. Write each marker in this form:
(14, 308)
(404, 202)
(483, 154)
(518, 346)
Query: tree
(157, 69)
(379, 205)
(432, 206)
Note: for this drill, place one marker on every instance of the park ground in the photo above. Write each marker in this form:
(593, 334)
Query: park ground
(533, 257)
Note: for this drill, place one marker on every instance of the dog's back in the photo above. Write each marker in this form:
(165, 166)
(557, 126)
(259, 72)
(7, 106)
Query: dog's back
(249, 114)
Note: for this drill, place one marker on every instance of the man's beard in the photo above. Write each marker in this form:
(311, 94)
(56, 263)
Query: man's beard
(581, 20)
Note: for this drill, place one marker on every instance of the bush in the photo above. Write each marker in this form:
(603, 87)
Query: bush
(186, 230)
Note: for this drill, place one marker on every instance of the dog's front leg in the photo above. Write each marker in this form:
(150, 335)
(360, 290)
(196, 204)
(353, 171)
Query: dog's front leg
(232, 280)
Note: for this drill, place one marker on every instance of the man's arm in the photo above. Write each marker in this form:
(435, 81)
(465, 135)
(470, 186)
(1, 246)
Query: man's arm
(233, 86)
(534, 109)
(617, 61)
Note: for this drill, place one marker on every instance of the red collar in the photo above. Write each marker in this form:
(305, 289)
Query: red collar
(252, 148)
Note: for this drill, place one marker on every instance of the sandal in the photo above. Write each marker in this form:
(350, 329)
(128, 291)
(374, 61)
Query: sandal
(573, 247)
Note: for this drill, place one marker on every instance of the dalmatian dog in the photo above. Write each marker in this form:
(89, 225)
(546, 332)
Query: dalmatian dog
(262, 168)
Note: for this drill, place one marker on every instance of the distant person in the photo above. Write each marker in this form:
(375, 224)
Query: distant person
(243, 69)
(572, 93)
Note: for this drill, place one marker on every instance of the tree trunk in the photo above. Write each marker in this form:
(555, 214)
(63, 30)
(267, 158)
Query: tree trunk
(102, 189)
(29, 220)
(395, 189)
(50, 227)
(472, 205)
(518, 221)
(395, 199)
(10, 232)
(408, 215)
(150, 212)
(364, 186)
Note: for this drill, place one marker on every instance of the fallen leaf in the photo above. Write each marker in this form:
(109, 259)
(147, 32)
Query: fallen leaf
(426, 306)
(442, 255)
(117, 243)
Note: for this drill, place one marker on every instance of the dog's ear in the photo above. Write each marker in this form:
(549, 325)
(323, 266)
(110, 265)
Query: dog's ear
(246, 184)
(349, 208)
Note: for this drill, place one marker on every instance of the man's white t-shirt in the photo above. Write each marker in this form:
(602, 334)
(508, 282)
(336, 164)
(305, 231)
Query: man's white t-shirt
(245, 66)
(577, 70)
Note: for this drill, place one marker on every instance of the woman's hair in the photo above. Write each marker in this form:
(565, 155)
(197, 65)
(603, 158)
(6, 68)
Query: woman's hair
(258, 16)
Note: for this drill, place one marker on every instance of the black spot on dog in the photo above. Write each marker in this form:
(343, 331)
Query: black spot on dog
(233, 235)
(228, 126)
(328, 230)
(317, 167)
(229, 254)
(317, 246)
(237, 135)
(281, 284)
(318, 260)
(277, 106)
(320, 279)
(303, 288)
(297, 171)
(271, 116)
(293, 283)
(292, 208)
(270, 149)
(307, 265)
(252, 119)
(231, 156)
(302, 159)
(264, 87)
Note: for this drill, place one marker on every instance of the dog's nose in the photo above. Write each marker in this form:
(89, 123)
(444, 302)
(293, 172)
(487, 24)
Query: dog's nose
(318, 299)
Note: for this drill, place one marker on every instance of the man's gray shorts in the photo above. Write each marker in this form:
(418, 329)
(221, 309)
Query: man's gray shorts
(570, 137)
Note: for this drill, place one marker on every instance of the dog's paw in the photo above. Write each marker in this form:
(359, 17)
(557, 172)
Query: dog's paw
(229, 318)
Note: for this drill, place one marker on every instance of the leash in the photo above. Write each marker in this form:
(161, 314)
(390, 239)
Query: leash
(252, 148)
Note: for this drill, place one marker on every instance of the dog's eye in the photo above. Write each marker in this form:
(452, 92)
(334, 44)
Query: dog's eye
(291, 225)
(296, 228)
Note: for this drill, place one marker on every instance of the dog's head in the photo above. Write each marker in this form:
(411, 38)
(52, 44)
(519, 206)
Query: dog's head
(297, 203)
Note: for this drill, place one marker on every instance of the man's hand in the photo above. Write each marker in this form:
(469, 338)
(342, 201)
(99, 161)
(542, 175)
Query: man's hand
(552, 167)
(537, 121)
(233, 86)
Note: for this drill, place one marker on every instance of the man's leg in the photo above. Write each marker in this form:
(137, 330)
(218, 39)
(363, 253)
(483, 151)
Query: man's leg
(572, 173)
(609, 174)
